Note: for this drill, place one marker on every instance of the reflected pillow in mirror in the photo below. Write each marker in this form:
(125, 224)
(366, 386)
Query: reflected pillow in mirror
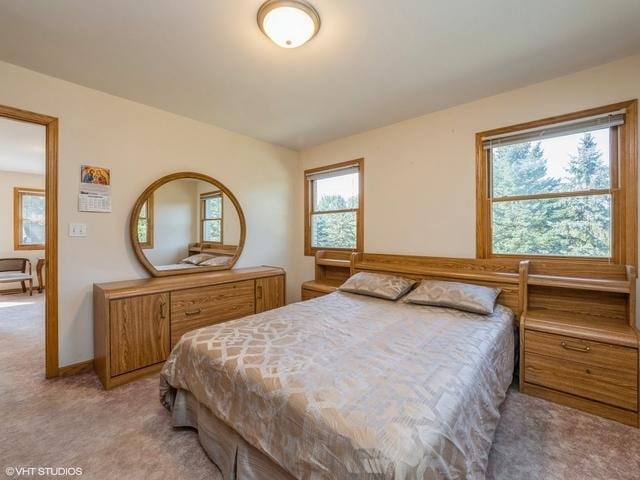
(378, 285)
(197, 259)
(216, 261)
(461, 296)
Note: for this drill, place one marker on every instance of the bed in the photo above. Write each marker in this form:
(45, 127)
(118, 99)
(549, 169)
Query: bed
(347, 386)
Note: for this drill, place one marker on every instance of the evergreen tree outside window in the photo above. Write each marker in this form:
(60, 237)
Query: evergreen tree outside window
(556, 189)
(333, 206)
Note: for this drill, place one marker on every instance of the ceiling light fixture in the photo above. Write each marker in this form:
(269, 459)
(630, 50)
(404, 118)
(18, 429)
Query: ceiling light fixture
(288, 23)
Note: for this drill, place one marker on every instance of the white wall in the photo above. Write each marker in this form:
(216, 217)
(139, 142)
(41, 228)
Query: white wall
(420, 174)
(175, 221)
(139, 144)
(9, 180)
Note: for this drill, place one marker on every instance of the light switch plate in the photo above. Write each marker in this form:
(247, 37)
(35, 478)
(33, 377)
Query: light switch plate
(77, 229)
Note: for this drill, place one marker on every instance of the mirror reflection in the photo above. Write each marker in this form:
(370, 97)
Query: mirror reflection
(187, 224)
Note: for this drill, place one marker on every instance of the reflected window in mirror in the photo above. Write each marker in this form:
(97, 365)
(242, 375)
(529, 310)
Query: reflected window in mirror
(211, 217)
(145, 224)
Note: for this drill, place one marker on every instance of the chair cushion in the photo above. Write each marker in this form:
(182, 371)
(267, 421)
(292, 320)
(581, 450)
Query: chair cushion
(14, 277)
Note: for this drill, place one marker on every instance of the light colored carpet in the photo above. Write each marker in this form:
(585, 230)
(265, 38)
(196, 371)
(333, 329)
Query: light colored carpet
(126, 434)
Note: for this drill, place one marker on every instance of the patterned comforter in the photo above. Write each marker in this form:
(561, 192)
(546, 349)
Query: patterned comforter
(346, 386)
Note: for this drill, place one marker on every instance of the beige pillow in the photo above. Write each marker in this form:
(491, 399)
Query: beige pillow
(461, 296)
(378, 285)
(197, 259)
(216, 261)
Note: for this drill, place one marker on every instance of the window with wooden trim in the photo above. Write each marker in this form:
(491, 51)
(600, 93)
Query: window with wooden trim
(560, 188)
(28, 218)
(334, 207)
(145, 224)
(211, 216)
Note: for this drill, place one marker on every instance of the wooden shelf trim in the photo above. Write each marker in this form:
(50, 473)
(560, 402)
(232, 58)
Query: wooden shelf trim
(581, 326)
(332, 262)
(321, 286)
(594, 284)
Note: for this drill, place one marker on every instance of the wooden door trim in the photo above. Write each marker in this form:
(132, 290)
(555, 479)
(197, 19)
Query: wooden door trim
(51, 229)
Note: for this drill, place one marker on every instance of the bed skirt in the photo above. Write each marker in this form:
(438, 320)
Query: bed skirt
(234, 457)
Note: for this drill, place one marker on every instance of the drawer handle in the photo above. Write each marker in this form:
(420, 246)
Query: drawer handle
(193, 312)
(163, 312)
(576, 348)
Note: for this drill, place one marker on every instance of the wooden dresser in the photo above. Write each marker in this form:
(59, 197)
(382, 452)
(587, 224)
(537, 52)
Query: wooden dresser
(332, 269)
(578, 341)
(138, 322)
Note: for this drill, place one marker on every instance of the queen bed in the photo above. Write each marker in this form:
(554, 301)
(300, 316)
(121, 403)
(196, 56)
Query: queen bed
(349, 386)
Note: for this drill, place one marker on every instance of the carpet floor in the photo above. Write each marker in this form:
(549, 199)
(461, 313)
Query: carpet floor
(126, 434)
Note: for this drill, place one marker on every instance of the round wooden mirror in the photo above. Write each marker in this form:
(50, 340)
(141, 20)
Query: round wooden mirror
(186, 223)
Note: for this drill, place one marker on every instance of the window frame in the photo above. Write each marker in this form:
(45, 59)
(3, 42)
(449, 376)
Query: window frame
(18, 193)
(203, 210)
(149, 243)
(310, 250)
(623, 191)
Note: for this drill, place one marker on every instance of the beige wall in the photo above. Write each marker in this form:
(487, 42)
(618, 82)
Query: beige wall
(175, 221)
(420, 174)
(139, 144)
(9, 180)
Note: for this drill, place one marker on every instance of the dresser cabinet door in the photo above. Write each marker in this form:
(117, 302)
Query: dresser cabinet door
(204, 306)
(139, 329)
(269, 293)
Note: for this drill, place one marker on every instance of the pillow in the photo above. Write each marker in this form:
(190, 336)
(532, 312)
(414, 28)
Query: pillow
(216, 261)
(461, 296)
(196, 259)
(378, 285)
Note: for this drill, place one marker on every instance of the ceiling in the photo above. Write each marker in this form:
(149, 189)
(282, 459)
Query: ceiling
(22, 147)
(374, 62)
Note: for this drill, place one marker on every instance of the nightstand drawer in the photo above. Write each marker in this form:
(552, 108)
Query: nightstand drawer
(603, 355)
(309, 294)
(614, 387)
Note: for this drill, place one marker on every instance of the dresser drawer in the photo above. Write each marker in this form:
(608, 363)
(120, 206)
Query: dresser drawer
(598, 354)
(200, 307)
(614, 387)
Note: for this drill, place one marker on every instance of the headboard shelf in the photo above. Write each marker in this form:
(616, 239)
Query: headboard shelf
(589, 327)
(580, 283)
(333, 262)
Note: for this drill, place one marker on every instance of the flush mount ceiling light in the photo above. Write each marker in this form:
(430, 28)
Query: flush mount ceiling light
(288, 23)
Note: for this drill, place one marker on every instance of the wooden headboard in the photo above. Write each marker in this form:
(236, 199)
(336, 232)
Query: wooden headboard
(604, 290)
(506, 274)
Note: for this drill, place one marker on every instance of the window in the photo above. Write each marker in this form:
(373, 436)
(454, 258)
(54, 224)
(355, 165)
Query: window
(561, 188)
(333, 207)
(145, 224)
(28, 219)
(211, 217)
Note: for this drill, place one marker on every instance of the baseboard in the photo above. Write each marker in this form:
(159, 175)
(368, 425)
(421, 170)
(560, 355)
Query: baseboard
(76, 368)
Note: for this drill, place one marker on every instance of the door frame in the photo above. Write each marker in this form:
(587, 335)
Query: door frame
(51, 231)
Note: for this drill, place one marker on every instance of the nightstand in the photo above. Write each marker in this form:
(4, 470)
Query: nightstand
(579, 344)
(313, 289)
(332, 269)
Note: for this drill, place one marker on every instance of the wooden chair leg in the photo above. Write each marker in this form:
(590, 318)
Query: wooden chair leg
(24, 287)
(31, 288)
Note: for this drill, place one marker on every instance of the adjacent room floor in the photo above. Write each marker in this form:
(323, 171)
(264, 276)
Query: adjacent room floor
(125, 433)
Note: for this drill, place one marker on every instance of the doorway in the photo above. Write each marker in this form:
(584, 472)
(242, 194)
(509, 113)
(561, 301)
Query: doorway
(29, 235)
